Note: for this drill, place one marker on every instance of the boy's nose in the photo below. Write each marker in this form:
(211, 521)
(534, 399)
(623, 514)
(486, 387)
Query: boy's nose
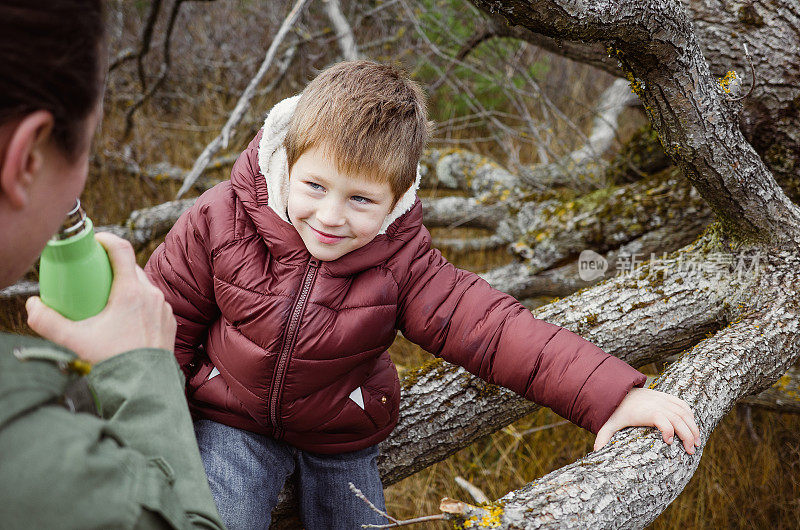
(330, 213)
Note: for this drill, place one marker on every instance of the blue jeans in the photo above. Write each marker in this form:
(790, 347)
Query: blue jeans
(246, 472)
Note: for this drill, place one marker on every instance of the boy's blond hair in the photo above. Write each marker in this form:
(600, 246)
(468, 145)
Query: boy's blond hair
(369, 118)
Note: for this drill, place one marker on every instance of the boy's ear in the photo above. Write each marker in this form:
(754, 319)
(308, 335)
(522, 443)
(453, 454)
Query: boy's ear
(24, 156)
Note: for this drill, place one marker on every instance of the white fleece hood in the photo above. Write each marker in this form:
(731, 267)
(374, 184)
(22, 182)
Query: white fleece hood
(273, 165)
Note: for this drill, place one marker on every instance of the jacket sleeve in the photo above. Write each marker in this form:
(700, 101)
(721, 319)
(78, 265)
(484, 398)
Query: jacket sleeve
(137, 466)
(140, 395)
(181, 268)
(456, 315)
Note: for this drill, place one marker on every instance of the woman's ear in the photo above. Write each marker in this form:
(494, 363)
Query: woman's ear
(24, 156)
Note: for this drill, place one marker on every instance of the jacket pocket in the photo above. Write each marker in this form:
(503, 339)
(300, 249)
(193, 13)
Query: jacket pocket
(350, 419)
(348, 414)
(377, 406)
(199, 378)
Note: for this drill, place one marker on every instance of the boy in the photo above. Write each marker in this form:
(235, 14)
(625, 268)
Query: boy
(294, 278)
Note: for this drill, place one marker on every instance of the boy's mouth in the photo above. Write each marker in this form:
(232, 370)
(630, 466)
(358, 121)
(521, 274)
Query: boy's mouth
(325, 237)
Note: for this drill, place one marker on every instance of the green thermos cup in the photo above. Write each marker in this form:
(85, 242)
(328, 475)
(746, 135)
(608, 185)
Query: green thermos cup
(74, 272)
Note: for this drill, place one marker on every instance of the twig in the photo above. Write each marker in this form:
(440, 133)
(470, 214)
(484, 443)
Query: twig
(221, 141)
(456, 83)
(344, 33)
(752, 75)
(747, 416)
(147, 36)
(129, 54)
(476, 493)
(162, 75)
(122, 57)
(482, 34)
(543, 427)
(394, 522)
(358, 493)
(408, 522)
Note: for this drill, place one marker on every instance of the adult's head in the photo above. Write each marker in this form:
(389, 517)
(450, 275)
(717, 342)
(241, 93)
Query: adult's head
(369, 118)
(52, 67)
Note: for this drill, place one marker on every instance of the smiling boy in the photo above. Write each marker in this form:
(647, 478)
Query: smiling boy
(334, 213)
(290, 282)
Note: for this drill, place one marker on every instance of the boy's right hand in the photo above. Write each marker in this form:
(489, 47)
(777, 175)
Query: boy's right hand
(136, 315)
(652, 408)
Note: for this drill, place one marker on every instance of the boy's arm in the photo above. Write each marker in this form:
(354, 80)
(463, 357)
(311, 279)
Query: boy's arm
(181, 268)
(456, 315)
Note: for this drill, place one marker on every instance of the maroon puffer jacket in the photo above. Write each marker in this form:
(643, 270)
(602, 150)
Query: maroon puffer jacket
(293, 337)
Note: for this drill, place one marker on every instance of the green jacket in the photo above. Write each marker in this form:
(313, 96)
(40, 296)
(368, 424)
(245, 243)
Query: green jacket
(135, 466)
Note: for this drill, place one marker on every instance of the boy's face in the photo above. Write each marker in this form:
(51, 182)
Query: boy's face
(334, 213)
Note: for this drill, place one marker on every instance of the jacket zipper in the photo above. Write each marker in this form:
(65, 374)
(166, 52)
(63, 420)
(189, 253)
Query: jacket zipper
(288, 345)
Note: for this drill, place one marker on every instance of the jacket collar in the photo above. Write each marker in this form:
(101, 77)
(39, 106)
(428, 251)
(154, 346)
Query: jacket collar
(263, 188)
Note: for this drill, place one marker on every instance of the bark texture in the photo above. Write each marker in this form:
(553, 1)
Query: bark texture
(518, 280)
(697, 122)
(754, 334)
(770, 118)
(783, 396)
(637, 466)
(553, 231)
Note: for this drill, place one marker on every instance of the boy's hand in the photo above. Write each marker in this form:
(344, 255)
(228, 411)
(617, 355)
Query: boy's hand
(136, 315)
(643, 407)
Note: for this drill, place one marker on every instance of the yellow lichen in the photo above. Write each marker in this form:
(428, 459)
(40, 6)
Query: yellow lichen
(435, 366)
(492, 519)
(725, 82)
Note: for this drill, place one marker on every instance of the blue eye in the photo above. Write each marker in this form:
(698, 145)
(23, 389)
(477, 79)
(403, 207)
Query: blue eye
(315, 186)
(361, 200)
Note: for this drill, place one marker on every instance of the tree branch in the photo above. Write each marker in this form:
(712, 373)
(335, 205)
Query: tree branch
(556, 230)
(637, 465)
(221, 141)
(144, 48)
(162, 75)
(518, 280)
(344, 33)
(783, 396)
(452, 212)
(657, 47)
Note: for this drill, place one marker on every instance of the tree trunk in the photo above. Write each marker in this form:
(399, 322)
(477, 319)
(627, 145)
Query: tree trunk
(629, 482)
(633, 479)
(770, 119)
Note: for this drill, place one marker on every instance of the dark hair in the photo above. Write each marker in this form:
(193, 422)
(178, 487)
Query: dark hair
(52, 57)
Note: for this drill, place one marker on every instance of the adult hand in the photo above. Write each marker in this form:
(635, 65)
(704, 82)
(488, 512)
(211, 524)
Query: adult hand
(651, 408)
(136, 315)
